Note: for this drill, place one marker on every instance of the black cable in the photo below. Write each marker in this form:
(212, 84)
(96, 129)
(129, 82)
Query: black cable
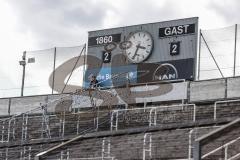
(84, 47)
(212, 55)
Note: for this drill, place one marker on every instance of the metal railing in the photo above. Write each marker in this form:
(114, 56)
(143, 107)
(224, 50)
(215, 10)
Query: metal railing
(147, 146)
(225, 147)
(90, 129)
(9, 124)
(96, 158)
(219, 102)
(190, 147)
(153, 113)
(152, 121)
(207, 138)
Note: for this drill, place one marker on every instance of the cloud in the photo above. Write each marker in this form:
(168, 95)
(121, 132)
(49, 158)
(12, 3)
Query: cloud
(59, 23)
(139, 12)
(66, 22)
(228, 10)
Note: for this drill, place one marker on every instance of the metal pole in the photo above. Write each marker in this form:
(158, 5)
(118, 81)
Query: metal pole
(212, 56)
(84, 65)
(54, 65)
(23, 63)
(197, 151)
(190, 144)
(199, 51)
(235, 51)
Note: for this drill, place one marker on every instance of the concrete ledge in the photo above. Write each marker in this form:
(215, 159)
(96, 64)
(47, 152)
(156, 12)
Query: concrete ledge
(207, 90)
(233, 87)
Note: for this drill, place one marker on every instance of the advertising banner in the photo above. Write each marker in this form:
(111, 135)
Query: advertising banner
(112, 76)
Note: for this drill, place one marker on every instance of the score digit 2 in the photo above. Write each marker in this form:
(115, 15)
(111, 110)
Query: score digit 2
(106, 57)
(174, 48)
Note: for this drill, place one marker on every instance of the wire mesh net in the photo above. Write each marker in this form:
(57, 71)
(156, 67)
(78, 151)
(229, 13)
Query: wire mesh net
(73, 68)
(217, 49)
(47, 71)
(40, 64)
(10, 79)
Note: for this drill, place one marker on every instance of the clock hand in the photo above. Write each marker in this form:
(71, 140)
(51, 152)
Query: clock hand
(141, 47)
(137, 48)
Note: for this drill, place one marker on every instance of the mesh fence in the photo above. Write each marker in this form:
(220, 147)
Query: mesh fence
(38, 71)
(42, 67)
(46, 72)
(53, 68)
(221, 44)
(7, 90)
(71, 55)
(10, 77)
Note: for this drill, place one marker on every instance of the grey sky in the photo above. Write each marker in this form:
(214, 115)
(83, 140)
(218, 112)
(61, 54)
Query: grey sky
(40, 24)
(66, 22)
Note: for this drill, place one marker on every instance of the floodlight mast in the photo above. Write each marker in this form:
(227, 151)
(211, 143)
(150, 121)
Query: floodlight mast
(23, 63)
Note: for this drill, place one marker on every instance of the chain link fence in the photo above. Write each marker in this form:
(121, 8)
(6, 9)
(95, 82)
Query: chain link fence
(40, 70)
(219, 56)
(42, 65)
(219, 53)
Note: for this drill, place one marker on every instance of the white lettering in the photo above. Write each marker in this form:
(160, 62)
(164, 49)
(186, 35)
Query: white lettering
(174, 31)
(167, 76)
(186, 28)
(108, 76)
(180, 29)
(167, 31)
(164, 77)
(172, 76)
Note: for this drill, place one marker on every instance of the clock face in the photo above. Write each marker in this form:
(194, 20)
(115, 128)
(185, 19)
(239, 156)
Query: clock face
(141, 48)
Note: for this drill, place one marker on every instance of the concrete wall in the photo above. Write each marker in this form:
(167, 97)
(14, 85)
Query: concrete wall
(207, 90)
(18, 105)
(178, 92)
(217, 89)
(233, 87)
(4, 106)
(134, 94)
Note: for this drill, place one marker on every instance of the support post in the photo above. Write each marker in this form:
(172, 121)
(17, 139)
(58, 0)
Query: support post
(112, 120)
(23, 63)
(84, 64)
(147, 146)
(190, 146)
(197, 151)
(106, 148)
(153, 121)
(199, 55)
(235, 52)
(54, 65)
(9, 106)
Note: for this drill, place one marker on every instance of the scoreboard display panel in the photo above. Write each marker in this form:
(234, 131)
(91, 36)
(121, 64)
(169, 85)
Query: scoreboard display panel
(155, 51)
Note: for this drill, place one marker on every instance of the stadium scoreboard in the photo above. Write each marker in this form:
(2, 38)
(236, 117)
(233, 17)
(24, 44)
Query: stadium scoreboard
(148, 52)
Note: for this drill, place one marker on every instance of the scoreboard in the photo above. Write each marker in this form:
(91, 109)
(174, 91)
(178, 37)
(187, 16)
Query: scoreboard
(144, 53)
